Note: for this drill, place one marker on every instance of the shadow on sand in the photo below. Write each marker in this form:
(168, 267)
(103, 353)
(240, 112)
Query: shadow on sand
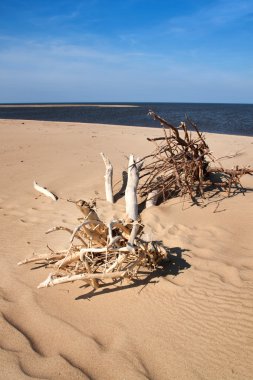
(173, 265)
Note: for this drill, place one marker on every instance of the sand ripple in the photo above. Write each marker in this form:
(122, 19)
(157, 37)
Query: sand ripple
(192, 320)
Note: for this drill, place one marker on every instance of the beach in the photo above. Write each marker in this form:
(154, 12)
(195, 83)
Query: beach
(192, 319)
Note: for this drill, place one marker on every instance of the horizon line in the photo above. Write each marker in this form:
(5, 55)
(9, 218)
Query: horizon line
(97, 103)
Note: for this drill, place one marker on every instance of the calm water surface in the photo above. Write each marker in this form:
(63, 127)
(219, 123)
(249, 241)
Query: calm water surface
(219, 118)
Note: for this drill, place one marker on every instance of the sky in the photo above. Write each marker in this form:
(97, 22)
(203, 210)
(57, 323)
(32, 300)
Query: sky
(126, 51)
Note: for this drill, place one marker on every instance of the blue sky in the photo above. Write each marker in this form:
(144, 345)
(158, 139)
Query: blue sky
(132, 50)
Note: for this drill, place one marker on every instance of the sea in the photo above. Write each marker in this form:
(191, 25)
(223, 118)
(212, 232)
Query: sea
(234, 119)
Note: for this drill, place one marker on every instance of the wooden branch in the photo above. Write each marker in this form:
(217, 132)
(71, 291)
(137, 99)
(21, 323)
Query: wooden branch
(134, 232)
(59, 228)
(167, 125)
(152, 198)
(90, 233)
(180, 165)
(51, 280)
(157, 138)
(73, 233)
(44, 191)
(87, 209)
(235, 172)
(121, 258)
(123, 229)
(44, 257)
(69, 259)
(108, 178)
(131, 190)
(93, 281)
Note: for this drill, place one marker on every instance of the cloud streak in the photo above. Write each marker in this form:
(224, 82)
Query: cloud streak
(63, 72)
(209, 18)
(199, 55)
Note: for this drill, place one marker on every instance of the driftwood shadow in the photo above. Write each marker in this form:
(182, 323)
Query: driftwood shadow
(120, 194)
(215, 194)
(173, 265)
(217, 178)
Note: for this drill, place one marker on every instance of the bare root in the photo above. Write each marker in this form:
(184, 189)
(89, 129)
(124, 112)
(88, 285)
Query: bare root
(107, 252)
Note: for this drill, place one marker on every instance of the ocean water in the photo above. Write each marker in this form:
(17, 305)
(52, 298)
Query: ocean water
(219, 118)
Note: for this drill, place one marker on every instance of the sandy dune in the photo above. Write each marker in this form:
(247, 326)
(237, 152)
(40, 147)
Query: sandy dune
(192, 320)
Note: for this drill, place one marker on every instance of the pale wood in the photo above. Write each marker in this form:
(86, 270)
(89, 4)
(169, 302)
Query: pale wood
(103, 250)
(95, 236)
(81, 254)
(90, 233)
(93, 281)
(113, 241)
(87, 209)
(108, 178)
(51, 281)
(152, 198)
(110, 238)
(124, 230)
(131, 190)
(121, 258)
(43, 256)
(71, 258)
(44, 191)
(134, 232)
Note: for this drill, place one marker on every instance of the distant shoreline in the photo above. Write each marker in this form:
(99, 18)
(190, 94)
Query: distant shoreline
(216, 118)
(69, 105)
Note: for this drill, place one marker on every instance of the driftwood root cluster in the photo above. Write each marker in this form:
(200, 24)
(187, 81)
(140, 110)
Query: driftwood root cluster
(100, 252)
(182, 164)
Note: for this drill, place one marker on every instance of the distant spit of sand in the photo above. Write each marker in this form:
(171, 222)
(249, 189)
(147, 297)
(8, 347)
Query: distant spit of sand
(70, 105)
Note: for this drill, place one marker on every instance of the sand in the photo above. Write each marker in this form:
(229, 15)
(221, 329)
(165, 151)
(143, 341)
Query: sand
(192, 320)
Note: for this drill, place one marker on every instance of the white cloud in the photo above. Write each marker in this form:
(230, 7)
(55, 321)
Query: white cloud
(222, 13)
(32, 71)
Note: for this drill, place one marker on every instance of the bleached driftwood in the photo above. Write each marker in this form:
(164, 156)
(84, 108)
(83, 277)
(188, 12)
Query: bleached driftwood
(87, 208)
(93, 281)
(117, 252)
(44, 191)
(108, 178)
(107, 251)
(61, 228)
(42, 257)
(152, 198)
(131, 189)
(51, 281)
(89, 232)
(134, 232)
(125, 232)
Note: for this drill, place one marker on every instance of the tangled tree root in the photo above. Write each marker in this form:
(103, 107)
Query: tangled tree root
(182, 164)
(112, 251)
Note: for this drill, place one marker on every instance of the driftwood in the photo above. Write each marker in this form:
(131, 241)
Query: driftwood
(116, 251)
(45, 191)
(182, 164)
(108, 178)
(152, 198)
(131, 188)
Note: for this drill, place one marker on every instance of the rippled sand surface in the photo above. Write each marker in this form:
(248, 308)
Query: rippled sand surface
(193, 319)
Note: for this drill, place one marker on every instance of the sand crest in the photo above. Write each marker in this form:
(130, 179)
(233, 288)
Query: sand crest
(192, 320)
